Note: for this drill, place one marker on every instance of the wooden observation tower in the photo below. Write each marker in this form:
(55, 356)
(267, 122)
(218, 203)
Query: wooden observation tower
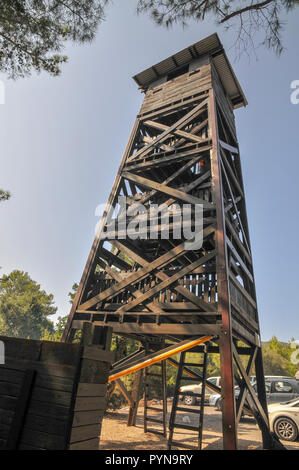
(144, 278)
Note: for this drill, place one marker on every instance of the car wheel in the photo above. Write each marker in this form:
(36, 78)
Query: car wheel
(219, 405)
(189, 400)
(286, 429)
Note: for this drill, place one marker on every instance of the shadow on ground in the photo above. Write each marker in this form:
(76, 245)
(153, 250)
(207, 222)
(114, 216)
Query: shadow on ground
(116, 435)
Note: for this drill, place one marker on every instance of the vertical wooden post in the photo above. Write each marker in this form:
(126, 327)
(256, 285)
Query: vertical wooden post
(164, 386)
(136, 397)
(225, 343)
(97, 335)
(261, 392)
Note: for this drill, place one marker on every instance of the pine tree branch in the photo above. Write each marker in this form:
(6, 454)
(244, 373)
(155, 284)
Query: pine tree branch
(256, 7)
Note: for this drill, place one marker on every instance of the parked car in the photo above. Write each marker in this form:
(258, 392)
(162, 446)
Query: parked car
(278, 389)
(191, 398)
(284, 419)
(216, 399)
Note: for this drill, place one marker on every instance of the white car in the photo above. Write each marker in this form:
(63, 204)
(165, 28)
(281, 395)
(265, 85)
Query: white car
(216, 400)
(190, 392)
(284, 419)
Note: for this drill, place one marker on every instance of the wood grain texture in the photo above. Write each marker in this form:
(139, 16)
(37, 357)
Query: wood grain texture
(39, 418)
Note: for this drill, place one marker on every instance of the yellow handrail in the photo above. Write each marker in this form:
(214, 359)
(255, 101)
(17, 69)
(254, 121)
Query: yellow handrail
(159, 358)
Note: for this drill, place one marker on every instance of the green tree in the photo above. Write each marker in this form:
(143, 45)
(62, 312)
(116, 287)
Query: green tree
(251, 19)
(33, 32)
(59, 327)
(57, 332)
(4, 195)
(274, 363)
(73, 292)
(24, 307)
(277, 358)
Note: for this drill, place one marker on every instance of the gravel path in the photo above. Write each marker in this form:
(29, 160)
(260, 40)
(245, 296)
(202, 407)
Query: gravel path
(116, 435)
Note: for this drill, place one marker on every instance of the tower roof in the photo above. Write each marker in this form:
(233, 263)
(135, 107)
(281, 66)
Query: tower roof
(210, 45)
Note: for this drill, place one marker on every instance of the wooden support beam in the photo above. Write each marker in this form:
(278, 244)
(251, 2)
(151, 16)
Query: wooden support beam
(136, 392)
(175, 193)
(228, 147)
(239, 259)
(167, 283)
(115, 260)
(243, 390)
(182, 105)
(135, 277)
(242, 290)
(232, 174)
(194, 130)
(225, 342)
(176, 126)
(192, 313)
(153, 307)
(161, 160)
(163, 127)
(235, 207)
(182, 169)
(249, 386)
(124, 391)
(237, 240)
(154, 329)
(186, 293)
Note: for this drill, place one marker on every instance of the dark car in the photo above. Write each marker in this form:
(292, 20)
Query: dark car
(278, 389)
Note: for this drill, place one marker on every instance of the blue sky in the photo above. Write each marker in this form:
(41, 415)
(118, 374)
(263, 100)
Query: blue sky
(62, 140)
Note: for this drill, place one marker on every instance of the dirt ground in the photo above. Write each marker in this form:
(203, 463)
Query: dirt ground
(116, 435)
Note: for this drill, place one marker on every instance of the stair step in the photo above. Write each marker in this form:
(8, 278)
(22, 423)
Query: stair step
(193, 379)
(160, 386)
(153, 431)
(185, 426)
(153, 420)
(188, 394)
(190, 364)
(189, 410)
(182, 444)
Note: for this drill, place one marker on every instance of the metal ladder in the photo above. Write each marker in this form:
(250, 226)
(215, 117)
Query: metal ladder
(177, 407)
(147, 382)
